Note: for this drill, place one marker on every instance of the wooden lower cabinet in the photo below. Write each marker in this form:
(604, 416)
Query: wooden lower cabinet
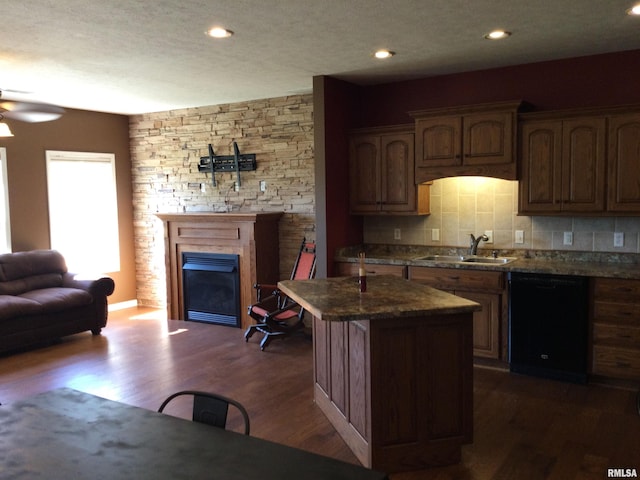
(616, 328)
(399, 390)
(484, 287)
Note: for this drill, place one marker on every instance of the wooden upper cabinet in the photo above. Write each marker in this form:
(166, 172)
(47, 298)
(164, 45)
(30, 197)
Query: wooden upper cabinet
(470, 140)
(488, 138)
(364, 173)
(381, 173)
(580, 162)
(562, 165)
(624, 163)
(439, 142)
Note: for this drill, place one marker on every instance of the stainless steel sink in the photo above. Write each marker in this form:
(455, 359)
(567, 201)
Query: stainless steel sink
(488, 260)
(466, 259)
(442, 258)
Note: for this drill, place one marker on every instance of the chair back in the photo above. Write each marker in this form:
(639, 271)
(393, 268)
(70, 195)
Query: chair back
(210, 408)
(305, 266)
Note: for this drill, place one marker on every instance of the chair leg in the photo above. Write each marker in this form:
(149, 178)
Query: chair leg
(249, 333)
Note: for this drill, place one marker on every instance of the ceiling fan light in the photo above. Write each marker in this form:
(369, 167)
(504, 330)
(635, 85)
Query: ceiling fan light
(5, 131)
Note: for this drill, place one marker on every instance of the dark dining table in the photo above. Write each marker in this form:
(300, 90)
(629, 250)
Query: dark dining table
(68, 434)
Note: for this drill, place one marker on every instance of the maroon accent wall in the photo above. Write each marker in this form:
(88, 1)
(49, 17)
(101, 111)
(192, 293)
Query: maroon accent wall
(599, 80)
(339, 106)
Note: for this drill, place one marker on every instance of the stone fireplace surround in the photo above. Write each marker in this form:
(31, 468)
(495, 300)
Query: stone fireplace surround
(251, 236)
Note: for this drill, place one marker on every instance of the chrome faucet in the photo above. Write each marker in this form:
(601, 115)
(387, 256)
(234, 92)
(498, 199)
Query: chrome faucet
(473, 248)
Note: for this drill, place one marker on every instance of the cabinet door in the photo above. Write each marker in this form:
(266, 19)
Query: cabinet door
(616, 328)
(439, 141)
(364, 173)
(486, 323)
(488, 138)
(624, 164)
(541, 167)
(583, 165)
(398, 191)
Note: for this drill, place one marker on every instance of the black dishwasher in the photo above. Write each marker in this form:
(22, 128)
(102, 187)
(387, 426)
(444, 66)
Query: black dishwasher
(548, 326)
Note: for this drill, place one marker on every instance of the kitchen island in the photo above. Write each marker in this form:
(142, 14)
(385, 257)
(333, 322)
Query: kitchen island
(392, 368)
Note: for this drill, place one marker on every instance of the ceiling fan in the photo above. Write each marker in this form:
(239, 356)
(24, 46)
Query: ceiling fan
(30, 112)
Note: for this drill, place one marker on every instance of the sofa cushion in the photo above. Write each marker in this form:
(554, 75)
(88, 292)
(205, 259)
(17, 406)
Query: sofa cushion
(24, 271)
(21, 285)
(58, 299)
(11, 306)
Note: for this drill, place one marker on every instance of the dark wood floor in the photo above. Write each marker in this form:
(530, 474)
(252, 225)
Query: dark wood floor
(525, 427)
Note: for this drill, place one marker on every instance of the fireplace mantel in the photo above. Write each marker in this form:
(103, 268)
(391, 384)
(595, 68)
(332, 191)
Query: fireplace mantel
(251, 236)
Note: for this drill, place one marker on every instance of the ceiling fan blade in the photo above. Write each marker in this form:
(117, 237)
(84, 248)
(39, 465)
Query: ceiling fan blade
(30, 112)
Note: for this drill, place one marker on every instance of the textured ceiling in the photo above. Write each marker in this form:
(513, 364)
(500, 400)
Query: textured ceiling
(136, 56)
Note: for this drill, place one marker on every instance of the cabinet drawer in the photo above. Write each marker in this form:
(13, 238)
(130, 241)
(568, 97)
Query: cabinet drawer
(619, 313)
(351, 269)
(616, 362)
(456, 278)
(617, 290)
(616, 335)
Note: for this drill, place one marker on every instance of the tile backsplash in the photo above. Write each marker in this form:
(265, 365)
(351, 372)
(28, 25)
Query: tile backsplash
(473, 205)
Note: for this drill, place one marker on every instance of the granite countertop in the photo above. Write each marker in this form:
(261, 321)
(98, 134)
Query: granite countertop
(387, 296)
(591, 264)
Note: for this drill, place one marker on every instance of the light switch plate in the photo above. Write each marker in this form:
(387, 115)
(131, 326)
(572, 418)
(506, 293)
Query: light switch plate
(618, 239)
(519, 236)
(568, 238)
(435, 234)
(397, 235)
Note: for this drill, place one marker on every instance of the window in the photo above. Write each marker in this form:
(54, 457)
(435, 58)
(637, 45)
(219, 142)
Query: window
(5, 227)
(83, 210)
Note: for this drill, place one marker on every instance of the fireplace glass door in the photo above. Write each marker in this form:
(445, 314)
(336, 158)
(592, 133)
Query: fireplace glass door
(211, 288)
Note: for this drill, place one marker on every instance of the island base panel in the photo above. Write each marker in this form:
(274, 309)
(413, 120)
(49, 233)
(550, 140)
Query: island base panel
(399, 391)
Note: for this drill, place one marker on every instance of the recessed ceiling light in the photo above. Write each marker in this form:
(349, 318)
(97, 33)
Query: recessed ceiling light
(497, 35)
(635, 10)
(384, 54)
(219, 32)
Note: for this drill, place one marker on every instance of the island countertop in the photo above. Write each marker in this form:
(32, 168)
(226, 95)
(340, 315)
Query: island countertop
(387, 296)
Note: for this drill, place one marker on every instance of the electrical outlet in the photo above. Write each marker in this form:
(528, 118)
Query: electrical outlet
(435, 234)
(397, 234)
(618, 239)
(203, 187)
(489, 234)
(236, 186)
(568, 238)
(263, 186)
(519, 236)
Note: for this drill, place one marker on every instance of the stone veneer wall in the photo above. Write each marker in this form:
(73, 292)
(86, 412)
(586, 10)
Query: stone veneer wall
(165, 151)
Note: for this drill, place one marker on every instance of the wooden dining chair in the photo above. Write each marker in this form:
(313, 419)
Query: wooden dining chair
(210, 408)
(276, 314)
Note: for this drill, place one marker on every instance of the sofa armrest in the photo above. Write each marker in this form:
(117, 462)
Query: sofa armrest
(98, 286)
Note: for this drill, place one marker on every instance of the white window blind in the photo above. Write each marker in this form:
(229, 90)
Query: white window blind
(83, 210)
(5, 227)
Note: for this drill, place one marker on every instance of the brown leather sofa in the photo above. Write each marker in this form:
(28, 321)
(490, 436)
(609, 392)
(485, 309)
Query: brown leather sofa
(40, 300)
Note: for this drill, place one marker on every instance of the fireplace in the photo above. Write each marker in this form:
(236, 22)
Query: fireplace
(211, 285)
